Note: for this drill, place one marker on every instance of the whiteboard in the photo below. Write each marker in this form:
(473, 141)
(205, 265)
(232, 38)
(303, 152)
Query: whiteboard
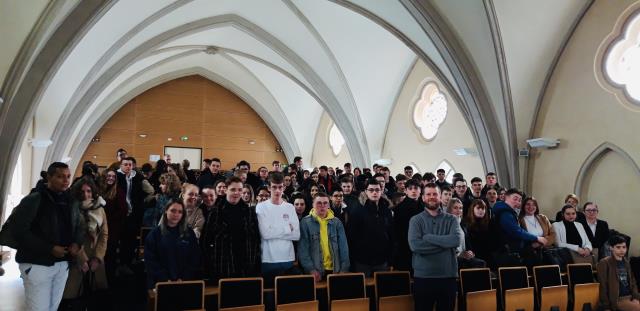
(194, 155)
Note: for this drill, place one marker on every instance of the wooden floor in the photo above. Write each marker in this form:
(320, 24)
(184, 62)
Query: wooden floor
(11, 290)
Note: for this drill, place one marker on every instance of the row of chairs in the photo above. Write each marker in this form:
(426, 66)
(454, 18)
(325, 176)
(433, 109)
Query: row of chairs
(345, 291)
(515, 293)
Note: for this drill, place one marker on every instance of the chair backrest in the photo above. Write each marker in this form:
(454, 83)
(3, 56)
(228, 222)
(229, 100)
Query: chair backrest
(587, 293)
(579, 273)
(513, 277)
(247, 308)
(357, 304)
(554, 297)
(187, 295)
(345, 286)
(396, 303)
(519, 299)
(239, 292)
(482, 300)
(392, 283)
(545, 276)
(295, 288)
(299, 306)
(473, 280)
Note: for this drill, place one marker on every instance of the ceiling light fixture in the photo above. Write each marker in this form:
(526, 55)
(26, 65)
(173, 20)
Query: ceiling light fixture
(142, 135)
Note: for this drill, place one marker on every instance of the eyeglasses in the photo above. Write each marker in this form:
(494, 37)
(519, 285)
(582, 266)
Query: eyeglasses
(373, 190)
(591, 210)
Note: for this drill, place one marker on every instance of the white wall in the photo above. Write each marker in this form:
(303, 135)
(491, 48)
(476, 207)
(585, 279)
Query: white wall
(322, 152)
(404, 144)
(583, 115)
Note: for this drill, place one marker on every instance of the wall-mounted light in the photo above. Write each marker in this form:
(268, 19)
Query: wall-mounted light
(543, 142)
(184, 138)
(169, 139)
(464, 151)
(40, 143)
(383, 162)
(278, 149)
(95, 139)
(142, 135)
(252, 142)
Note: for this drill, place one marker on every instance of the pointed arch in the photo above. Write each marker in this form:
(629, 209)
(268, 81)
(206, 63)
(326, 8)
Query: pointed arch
(449, 170)
(594, 157)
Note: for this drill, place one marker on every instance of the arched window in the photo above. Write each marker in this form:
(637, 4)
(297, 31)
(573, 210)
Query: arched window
(448, 170)
(430, 110)
(621, 59)
(336, 141)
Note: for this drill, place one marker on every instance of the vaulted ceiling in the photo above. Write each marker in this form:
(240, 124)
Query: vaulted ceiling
(69, 65)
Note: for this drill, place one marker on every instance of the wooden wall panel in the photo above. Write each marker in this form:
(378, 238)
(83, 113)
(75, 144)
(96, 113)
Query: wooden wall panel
(212, 117)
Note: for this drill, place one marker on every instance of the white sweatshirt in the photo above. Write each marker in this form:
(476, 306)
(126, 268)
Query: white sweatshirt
(276, 223)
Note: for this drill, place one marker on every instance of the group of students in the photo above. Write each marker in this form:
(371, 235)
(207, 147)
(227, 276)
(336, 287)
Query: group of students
(210, 225)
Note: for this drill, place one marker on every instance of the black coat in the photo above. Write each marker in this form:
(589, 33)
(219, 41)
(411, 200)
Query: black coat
(602, 233)
(370, 233)
(137, 194)
(208, 179)
(402, 214)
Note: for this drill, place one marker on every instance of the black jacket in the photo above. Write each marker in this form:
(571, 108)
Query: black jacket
(370, 233)
(137, 194)
(224, 256)
(208, 179)
(34, 224)
(402, 214)
(602, 233)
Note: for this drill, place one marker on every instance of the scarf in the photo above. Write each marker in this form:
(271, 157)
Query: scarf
(93, 217)
(573, 237)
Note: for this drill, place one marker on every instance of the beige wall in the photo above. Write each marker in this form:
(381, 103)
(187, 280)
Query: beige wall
(583, 115)
(322, 152)
(405, 145)
(212, 117)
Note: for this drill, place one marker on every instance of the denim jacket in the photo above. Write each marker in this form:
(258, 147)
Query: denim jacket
(309, 252)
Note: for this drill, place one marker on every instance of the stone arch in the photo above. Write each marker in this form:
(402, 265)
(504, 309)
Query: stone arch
(589, 163)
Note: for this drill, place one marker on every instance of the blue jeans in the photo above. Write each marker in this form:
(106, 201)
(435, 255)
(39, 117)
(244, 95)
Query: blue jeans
(272, 269)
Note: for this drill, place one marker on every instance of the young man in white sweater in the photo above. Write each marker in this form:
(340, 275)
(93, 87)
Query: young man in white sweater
(279, 227)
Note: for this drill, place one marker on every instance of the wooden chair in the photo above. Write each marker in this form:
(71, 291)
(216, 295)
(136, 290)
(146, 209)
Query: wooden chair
(554, 296)
(396, 303)
(579, 273)
(546, 276)
(482, 300)
(186, 295)
(345, 286)
(294, 288)
(247, 308)
(584, 294)
(299, 306)
(519, 299)
(512, 278)
(392, 284)
(240, 292)
(473, 280)
(357, 304)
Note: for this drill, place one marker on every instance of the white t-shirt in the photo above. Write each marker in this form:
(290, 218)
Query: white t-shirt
(276, 223)
(533, 226)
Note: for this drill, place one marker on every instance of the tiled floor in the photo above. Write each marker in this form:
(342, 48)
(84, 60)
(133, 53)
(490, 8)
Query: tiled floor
(11, 290)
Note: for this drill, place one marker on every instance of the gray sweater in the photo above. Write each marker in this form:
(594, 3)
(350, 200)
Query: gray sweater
(433, 241)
